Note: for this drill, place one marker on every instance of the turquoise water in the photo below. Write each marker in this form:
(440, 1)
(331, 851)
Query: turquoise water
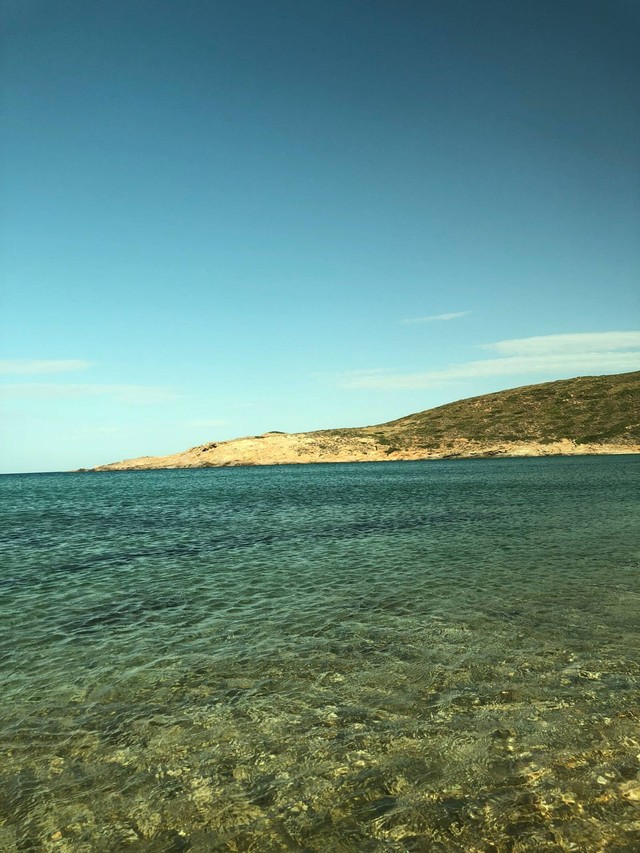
(436, 656)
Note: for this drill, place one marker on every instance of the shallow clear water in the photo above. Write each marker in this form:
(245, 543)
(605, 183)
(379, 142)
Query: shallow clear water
(436, 656)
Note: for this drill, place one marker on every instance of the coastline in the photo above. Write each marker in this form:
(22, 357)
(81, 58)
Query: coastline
(588, 415)
(313, 448)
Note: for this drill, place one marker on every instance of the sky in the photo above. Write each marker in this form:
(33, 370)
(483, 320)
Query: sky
(222, 218)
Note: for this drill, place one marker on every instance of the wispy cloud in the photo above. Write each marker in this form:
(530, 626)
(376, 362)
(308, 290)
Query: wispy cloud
(434, 318)
(96, 429)
(212, 422)
(129, 394)
(579, 342)
(603, 352)
(30, 366)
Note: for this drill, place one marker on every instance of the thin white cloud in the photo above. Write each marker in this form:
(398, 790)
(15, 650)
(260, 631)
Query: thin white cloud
(434, 318)
(29, 366)
(578, 342)
(129, 394)
(588, 353)
(95, 429)
(213, 422)
(373, 371)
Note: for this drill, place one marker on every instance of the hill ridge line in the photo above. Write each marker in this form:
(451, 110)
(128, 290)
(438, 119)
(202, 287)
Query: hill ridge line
(579, 416)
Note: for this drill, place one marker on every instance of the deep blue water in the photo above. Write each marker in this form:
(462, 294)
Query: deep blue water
(428, 656)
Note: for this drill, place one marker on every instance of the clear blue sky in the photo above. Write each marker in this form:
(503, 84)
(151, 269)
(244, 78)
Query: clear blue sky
(228, 217)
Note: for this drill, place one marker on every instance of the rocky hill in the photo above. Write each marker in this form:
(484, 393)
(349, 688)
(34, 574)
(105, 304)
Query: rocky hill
(589, 414)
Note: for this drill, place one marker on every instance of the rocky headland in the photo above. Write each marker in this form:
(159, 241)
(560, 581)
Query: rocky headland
(585, 415)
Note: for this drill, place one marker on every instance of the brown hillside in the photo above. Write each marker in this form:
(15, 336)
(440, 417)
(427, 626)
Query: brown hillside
(589, 414)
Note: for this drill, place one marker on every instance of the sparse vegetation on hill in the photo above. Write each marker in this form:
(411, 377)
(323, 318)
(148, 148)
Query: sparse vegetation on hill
(587, 410)
(589, 414)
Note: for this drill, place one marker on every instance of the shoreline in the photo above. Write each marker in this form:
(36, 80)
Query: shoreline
(302, 449)
(570, 417)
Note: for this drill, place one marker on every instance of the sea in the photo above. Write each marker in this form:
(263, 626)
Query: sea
(401, 656)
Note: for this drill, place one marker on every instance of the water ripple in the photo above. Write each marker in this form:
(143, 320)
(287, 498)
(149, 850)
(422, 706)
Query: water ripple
(397, 657)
